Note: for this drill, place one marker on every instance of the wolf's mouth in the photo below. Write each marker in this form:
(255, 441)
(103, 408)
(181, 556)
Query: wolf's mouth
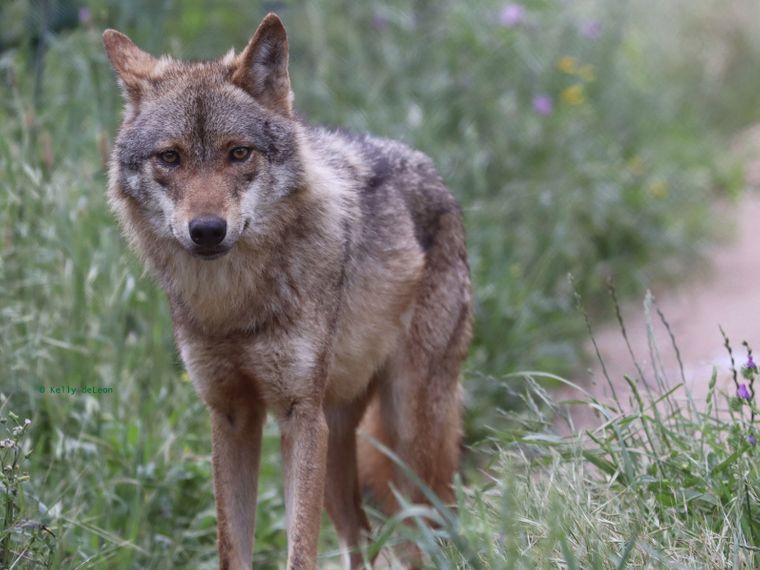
(209, 253)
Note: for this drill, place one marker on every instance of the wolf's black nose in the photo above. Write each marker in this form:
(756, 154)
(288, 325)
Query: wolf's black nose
(208, 231)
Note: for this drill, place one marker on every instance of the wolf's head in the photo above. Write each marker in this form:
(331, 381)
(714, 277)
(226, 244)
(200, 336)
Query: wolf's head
(207, 151)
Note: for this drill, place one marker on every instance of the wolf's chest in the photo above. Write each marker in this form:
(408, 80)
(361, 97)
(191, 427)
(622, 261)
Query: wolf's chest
(375, 310)
(225, 295)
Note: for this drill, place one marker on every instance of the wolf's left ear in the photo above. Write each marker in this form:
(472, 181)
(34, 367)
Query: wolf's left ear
(131, 64)
(262, 68)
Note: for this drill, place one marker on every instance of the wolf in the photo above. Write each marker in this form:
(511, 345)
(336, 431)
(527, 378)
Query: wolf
(315, 275)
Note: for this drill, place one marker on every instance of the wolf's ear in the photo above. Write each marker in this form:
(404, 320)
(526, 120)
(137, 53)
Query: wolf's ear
(131, 64)
(262, 68)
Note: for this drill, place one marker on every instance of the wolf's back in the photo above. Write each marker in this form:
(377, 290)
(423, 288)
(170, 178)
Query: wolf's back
(394, 180)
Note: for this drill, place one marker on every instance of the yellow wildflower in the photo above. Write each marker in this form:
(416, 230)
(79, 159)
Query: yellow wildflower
(574, 95)
(567, 64)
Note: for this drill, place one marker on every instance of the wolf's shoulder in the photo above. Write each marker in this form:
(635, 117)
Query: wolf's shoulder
(392, 180)
(382, 160)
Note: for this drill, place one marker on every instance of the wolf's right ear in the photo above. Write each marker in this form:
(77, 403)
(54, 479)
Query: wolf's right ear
(133, 66)
(262, 68)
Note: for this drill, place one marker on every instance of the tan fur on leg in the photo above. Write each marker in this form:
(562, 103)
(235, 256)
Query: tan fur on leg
(342, 495)
(236, 440)
(304, 460)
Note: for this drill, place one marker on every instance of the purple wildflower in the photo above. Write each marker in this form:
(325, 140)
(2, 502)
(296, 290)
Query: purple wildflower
(743, 392)
(379, 23)
(590, 30)
(512, 15)
(543, 105)
(750, 364)
(85, 15)
(751, 439)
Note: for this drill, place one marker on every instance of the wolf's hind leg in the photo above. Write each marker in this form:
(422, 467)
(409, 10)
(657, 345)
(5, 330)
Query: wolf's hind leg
(421, 412)
(420, 400)
(417, 415)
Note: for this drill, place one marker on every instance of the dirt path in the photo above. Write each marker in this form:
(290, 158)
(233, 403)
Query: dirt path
(727, 295)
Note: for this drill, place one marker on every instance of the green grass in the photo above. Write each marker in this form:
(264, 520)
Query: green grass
(644, 493)
(616, 181)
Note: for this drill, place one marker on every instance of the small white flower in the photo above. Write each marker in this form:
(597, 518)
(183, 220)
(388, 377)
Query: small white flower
(27, 422)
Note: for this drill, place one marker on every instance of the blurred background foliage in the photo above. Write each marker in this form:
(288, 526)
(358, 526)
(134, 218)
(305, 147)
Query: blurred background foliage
(584, 137)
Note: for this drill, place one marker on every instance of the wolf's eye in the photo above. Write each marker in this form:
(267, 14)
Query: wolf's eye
(170, 157)
(240, 153)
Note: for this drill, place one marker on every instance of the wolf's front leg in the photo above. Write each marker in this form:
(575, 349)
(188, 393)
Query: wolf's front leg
(236, 447)
(304, 452)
